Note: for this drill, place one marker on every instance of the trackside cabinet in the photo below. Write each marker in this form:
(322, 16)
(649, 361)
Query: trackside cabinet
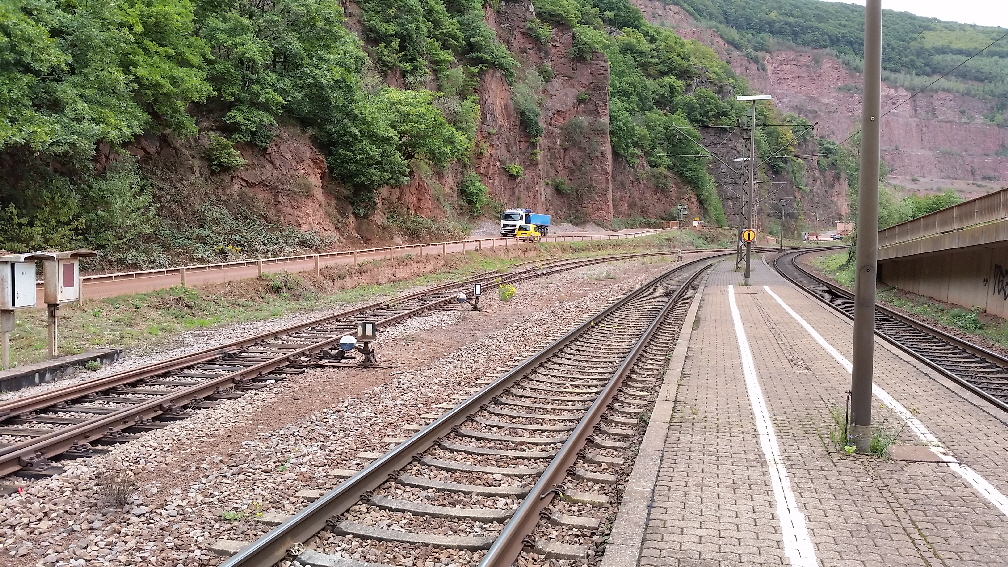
(61, 272)
(17, 281)
(62, 279)
(17, 291)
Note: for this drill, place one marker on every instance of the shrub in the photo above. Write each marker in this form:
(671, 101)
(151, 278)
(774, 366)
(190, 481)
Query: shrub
(221, 154)
(587, 41)
(565, 12)
(514, 170)
(561, 186)
(527, 107)
(582, 97)
(506, 292)
(546, 71)
(473, 193)
(539, 30)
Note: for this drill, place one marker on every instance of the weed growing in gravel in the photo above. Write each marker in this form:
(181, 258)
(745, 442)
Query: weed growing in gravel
(232, 516)
(506, 292)
(117, 486)
(884, 434)
(92, 365)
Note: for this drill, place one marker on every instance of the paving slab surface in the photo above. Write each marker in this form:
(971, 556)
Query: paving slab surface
(704, 491)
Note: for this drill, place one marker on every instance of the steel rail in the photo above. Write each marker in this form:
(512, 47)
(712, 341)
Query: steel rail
(23, 405)
(35, 451)
(977, 350)
(510, 542)
(272, 547)
(16, 457)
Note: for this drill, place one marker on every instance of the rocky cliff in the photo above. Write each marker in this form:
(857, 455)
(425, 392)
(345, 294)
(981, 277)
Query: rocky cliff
(932, 140)
(569, 171)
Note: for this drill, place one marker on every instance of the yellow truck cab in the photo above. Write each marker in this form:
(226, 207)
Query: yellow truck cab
(527, 232)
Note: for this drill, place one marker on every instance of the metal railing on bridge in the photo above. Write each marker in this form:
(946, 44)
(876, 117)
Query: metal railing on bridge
(982, 210)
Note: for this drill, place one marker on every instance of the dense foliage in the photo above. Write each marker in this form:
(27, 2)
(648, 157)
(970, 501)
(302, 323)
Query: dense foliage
(80, 74)
(221, 77)
(894, 209)
(913, 47)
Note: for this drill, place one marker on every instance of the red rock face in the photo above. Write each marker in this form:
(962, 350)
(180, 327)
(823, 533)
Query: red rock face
(570, 172)
(929, 141)
(288, 179)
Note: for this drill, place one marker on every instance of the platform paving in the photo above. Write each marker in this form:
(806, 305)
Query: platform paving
(703, 482)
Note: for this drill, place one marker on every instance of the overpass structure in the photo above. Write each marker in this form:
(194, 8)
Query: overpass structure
(956, 255)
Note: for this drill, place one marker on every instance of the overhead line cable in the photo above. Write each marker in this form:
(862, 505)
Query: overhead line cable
(932, 83)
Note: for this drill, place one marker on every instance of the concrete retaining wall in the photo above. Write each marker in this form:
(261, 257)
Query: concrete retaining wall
(972, 277)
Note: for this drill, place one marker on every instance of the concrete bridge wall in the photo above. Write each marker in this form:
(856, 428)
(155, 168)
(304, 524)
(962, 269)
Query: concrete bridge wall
(972, 277)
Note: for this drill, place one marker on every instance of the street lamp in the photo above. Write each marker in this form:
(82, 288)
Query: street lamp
(752, 176)
(783, 203)
(743, 207)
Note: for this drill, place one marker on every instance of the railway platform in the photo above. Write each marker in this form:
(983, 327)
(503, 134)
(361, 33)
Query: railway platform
(738, 467)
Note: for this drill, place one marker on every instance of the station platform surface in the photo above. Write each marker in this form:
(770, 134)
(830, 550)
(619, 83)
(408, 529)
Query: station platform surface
(737, 466)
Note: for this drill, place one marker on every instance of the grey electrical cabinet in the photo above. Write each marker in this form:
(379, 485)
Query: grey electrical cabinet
(17, 281)
(61, 272)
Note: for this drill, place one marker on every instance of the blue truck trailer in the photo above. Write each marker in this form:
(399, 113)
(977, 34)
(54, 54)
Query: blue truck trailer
(511, 218)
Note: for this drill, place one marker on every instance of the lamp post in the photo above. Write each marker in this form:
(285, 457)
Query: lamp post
(752, 178)
(783, 203)
(742, 219)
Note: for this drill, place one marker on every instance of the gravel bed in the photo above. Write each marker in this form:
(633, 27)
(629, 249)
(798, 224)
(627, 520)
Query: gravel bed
(210, 476)
(457, 499)
(465, 477)
(485, 460)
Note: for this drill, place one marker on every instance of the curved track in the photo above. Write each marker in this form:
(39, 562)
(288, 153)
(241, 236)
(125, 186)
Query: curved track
(978, 369)
(528, 465)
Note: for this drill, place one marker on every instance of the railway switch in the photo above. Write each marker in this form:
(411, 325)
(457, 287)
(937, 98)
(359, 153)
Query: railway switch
(366, 333)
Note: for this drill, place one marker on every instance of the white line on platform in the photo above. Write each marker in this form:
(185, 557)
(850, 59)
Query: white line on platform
(978, 482)
(797, 545)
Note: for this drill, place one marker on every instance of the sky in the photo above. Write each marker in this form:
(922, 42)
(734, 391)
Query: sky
(980, 12)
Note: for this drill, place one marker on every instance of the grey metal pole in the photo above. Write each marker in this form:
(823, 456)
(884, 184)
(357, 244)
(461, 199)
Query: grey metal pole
(53, 324)
(867, 229)
(752, 193)
(7, 324)
(782, 226)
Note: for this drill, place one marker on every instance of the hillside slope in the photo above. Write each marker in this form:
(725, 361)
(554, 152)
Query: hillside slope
(931, 141)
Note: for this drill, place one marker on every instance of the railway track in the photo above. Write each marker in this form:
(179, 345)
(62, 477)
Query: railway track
(530, 466)
(69, 422)
(981, 371)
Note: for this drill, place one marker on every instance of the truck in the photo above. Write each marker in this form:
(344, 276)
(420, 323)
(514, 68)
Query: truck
(511, 218)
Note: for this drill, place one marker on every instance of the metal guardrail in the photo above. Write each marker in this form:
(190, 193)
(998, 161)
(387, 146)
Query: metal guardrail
(240, 269)
(989, 208)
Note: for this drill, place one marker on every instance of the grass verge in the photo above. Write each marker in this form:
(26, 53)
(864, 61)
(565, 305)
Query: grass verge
(150, 320)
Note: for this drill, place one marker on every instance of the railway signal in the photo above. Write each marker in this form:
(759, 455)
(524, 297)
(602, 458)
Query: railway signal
(474, 300)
